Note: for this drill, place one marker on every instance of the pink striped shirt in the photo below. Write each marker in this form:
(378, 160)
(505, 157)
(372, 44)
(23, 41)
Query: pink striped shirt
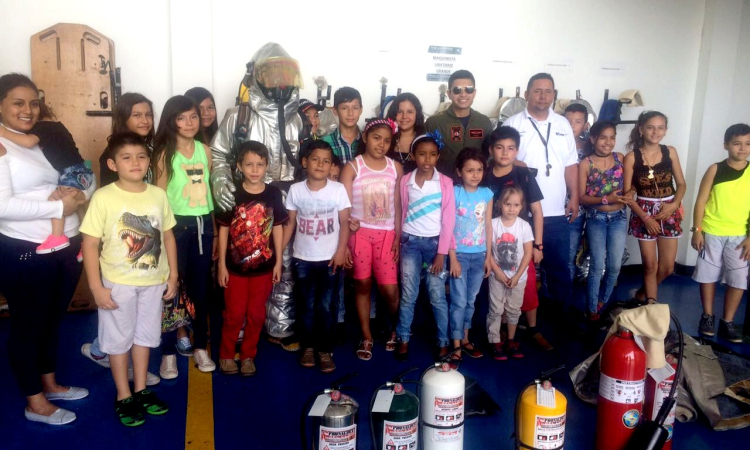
(373, 192)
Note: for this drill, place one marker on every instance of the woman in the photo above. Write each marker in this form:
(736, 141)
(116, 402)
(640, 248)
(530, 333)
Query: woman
(406, 111)
(134, 113)
(38, 287)
(207, 109)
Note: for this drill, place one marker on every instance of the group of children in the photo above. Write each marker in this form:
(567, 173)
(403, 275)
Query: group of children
(358, 211)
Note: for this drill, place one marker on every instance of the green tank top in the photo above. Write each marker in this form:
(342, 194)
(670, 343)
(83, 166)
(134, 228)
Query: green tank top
(188, 190)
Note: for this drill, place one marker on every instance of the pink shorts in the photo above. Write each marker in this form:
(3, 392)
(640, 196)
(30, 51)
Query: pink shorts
(371, 252)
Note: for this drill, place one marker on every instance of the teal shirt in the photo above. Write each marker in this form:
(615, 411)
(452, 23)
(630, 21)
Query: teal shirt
(188, 190)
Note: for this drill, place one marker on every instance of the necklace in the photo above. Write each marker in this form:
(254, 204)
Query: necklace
(605, 160)
(650, 166)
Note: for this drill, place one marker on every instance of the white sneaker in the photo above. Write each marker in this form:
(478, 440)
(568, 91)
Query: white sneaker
(168, 367)
(203, 361)
(151, 379)
(86, 351)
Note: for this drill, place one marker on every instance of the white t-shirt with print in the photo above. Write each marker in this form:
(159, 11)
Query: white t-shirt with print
(317, 236)
(507, 245)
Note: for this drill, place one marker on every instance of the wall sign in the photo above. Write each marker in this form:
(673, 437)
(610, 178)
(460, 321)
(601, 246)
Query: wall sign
(442, 62)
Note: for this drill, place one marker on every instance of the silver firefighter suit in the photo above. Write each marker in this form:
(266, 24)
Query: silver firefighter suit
(268, 101)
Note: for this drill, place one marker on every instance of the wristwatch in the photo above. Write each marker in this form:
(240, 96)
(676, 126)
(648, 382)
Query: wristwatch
(539, 247)
(605, 201)
(695, 229)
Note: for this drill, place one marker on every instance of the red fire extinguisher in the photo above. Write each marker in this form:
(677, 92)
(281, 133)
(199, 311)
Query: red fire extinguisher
(621, 390)
(655, 395)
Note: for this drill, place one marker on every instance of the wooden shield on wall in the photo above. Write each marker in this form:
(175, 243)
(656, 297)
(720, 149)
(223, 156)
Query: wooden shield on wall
(73, 66)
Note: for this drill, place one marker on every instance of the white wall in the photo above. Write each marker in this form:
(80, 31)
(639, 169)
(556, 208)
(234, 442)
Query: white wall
(164, 47)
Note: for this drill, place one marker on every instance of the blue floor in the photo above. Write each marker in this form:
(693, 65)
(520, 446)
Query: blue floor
(263, 412)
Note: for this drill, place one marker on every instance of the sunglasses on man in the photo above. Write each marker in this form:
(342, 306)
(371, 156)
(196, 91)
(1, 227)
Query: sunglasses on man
(458, 89)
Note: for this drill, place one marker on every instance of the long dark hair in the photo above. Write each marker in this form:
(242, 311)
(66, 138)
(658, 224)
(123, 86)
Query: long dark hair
(596, 130)
(165, 141)
(361, 147)
(635, 142)
(123, 111)
(198, 94)
(393, 112)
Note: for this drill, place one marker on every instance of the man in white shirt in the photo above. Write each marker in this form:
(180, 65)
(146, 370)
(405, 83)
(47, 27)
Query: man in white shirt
(548, 145)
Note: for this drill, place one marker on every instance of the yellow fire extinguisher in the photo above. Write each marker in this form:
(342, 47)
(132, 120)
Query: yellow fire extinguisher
(540, 415)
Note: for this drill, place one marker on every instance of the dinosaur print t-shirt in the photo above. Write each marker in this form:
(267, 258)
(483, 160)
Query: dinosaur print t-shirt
(131, 226)
(507, 245)
(251, 221)
(188, 189)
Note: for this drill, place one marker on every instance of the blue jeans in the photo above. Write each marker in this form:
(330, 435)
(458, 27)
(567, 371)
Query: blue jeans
(464, 290)
(606, 233)
(556, 256)
(576, 229)
(416, 251)
(314, 285)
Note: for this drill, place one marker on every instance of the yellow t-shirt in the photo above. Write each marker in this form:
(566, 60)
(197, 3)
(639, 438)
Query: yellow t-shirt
(131, 227)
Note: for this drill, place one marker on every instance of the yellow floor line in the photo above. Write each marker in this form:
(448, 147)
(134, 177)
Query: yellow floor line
(199, 427)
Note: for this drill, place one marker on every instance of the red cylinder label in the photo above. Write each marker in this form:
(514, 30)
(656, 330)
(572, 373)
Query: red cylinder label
(621, 391)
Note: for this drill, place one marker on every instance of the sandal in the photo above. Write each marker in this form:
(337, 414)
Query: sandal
(364, 352)
(455, 361)
(471, 350)
(391, 344)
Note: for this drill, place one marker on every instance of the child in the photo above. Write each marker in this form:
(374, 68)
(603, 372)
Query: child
(309, 112)
(577, 115)
(504, 142)
(60, 150)
(651, 171)
(721, 235)
(347, 106)
(371, 181)
(428, 212)
(317, 209)
(250, 237)
(138, 261)
(470, 259)
(511, 253)
(600, 181)
(335, 172)
(182, 166)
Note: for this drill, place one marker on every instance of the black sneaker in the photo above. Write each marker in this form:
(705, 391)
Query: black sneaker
(706, 325)
(151, 403)
(129, 412)
(729, 332)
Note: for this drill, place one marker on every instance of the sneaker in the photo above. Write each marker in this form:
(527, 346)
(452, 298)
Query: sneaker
(102, 361)
(168, 367)
(290, 344)
(150, 402)
(203, 361)
(706, 325)
(308, 358)
(228, 366)
(53, 244)
(130, 412)
(728, 331)
(498, 353)
(248, 368)
(326, 362)
(542, 343)
(184, 347)
(151, 379)
(513, 349)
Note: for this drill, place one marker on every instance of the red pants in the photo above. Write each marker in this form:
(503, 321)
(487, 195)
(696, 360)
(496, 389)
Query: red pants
(244, 299)
(530, 295)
